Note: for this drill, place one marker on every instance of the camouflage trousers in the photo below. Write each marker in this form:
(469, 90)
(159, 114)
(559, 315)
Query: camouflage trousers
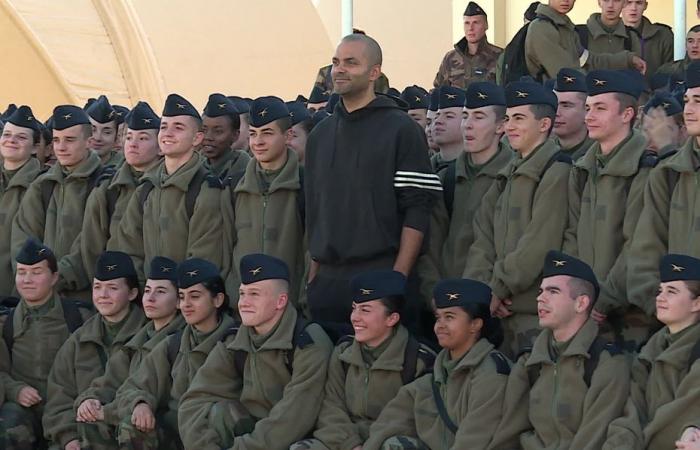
(165, 436)
(403, 443)
(97, 436)
(308, 444)
(20, 427)
(519, 331)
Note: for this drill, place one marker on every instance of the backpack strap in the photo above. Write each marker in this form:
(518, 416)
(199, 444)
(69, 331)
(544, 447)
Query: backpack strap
(448, 189)
(301, 199)
(300, 339)
(502, 364)
(46, 187)
(174, 340)
(71, 313)
(694, 354)
(8, 330)
(582, 31)
(96, 178)
(598, 346)
(442, 411)
(112, 197)
(144, 192)
(557, 157)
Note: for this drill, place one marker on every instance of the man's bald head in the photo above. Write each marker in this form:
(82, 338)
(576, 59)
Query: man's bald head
(372, 49)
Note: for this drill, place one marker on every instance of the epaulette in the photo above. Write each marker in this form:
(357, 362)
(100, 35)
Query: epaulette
(502, 364)
(613, 349)
(214, 182)
(524, 351)
(648, 159)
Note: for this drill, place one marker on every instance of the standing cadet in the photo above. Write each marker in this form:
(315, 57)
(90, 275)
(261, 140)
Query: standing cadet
(107, 203)
(473, 58)
(417, 99)
(32, 334)
(175, 211)
(83, 357)
(367, 149)
(522, 216)
(430, 117)
(571, 384)
(607, 33)
(19, 138)
(263, 211)
(302, 124)
(692, 53)
(459, 405)
(53, 207)
(367, 370)
(606, 190)
(656, 39)
(446, 128)
(261, 391)
(221, 124)
(569, 124)
(148, 400)
(104, 140)
(243, 107)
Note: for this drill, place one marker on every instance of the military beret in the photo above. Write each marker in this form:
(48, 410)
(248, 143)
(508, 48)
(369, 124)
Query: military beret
(220, 105)
(692, 75)
(33, 252)
(24, 117)
(258, 267)
(11, 108)
(267, 109)
(558, 263)
(121, 112)
(461, 292)
(679, 94)
(49, 123)
(377, 284)
(241, 105)
(416, 97)
(520, 93)
(451, 97)
(301, 98)
(101, 110)
(163, 268)
(332, 101)
(112, 265)
(319, 116)
(473, 9)
(676, 80)
(570, 80)
(549, 84)
(142, 117)
(298, 112)
(176, 105)
(195, 270)
(434, 100)
(318, 95)
(606, 81)
(666, 101)
(484, 93)
(89, 103)
(66, 116)
(676, 267)
(659, 81)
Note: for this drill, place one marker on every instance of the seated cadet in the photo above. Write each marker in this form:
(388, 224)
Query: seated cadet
(367, 370)
(32, 334)
(148, 400)
(262, 391)
(663, 405)
(662, 124)
(302, 124)
(105, 137)
(459, 406)
(446, 131)
(566, 389)
(264, 211)
(221, 124)
(569, 124)
(98, 402)
(83, 357)
(417, 99)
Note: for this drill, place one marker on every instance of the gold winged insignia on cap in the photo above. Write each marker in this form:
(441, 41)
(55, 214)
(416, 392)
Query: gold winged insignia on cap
(451, 96)
(418, 100)
(263, 113)
(41, 251)
(598, 82)
(558, 263)
(568, 79)
(222, 105)
(147, 120)
(452, 296)
(676, 268)
(366, 291)
(291, 113)
(30, 118)
(165, 269)
(482, 96)
(111, 267)
(67, 116)
(180, 105)
(111, 114)
(521, 94)
(192, 273)
(256, 271)
(665, 105)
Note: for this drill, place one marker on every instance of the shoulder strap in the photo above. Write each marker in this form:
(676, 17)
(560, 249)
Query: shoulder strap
(410, 361)
(8, 331)
(301, 200)
(144, 192)
(440, 403)
(694, 354)
(174, 340)
(648, 159)
(193, 190)
(557, 157)
(502, 365)
(300, 339)
(46, 192)
(71, 313)
(582, 31)
(598, 346)
(112, 197)
(448, 190)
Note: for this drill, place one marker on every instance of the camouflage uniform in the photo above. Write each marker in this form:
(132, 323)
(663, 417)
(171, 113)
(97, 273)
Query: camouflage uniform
(459, 68)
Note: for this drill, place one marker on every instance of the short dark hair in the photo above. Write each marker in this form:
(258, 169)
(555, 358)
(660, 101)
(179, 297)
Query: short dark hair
(499, 111)
(133, 283)
(542, 111)
(284, 123)
(693, 285)
(52, 261)
(393, 304)
(87, 130)
(492, 329)
(216, 286)
(307, 125)
(627, 101)
(695, 28)
(374, 51)
(578, 287)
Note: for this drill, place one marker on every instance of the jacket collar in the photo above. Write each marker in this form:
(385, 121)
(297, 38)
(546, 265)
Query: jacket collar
(473, 358)
(492, 167)
(281, 339)
(287, 179)
(534, 164)
(25, 174)
(462, 46)
(579, 346)
(392, 358)
(625, 161)
(558, 19)
(56, 312)
(687, 159)
(94, 329)
(82, 170)
(180, 179)
(677, 353)
(595, 26)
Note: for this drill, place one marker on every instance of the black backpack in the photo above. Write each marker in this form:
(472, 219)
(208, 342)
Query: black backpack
(514, 62)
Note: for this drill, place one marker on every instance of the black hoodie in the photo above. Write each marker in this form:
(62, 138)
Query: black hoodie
(368, 176)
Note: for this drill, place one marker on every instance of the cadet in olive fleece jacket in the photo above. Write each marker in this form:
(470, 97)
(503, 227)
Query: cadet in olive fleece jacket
(603, 40)
(231, 163)
(77, 363)
(286, 404)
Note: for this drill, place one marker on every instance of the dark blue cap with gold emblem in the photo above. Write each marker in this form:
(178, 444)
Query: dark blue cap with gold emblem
(66, 116)
(112, 265)
(451, 97)
(32, 252)
(606, 81)
(142, 117)
(666, 101)
(267, 109)
(376, 284)
(195, 270)
(473, 9)
(570, 80)
(11, 108)
(121, 113)
(176, 105)
(241, 105)
(319, 95)
(416, 97)
(460, 292)
(559, 263)
(484, 93)
(434, 100)
(163, 268)
(220, 105)
(549, 84)
(101, 110)
(659, 81)
(519, 93)
(24, 117)
(301, 98)
(676, 267)
(298, 112)
(692, 75)
(258, 267)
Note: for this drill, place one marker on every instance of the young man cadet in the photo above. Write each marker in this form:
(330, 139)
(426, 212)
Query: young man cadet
(53, 207)
(263, 212)
(552, 43)
(104, 140)
(302, 124)
(367, 149)
(656, 38)
(571, 384)
(668, 222)
(19, 139)
(569, 124)
(175, 211)
(107, 203)
(429, 118)
(276, 364)
(606, 191)
(607, 33)
(446, 128)
(473, 58)
(515, 225)
(417, 99)
(221, 124)
(692, 53)
(34, 332)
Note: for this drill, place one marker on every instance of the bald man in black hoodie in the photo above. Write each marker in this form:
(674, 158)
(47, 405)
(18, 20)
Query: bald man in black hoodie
(369, 188)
